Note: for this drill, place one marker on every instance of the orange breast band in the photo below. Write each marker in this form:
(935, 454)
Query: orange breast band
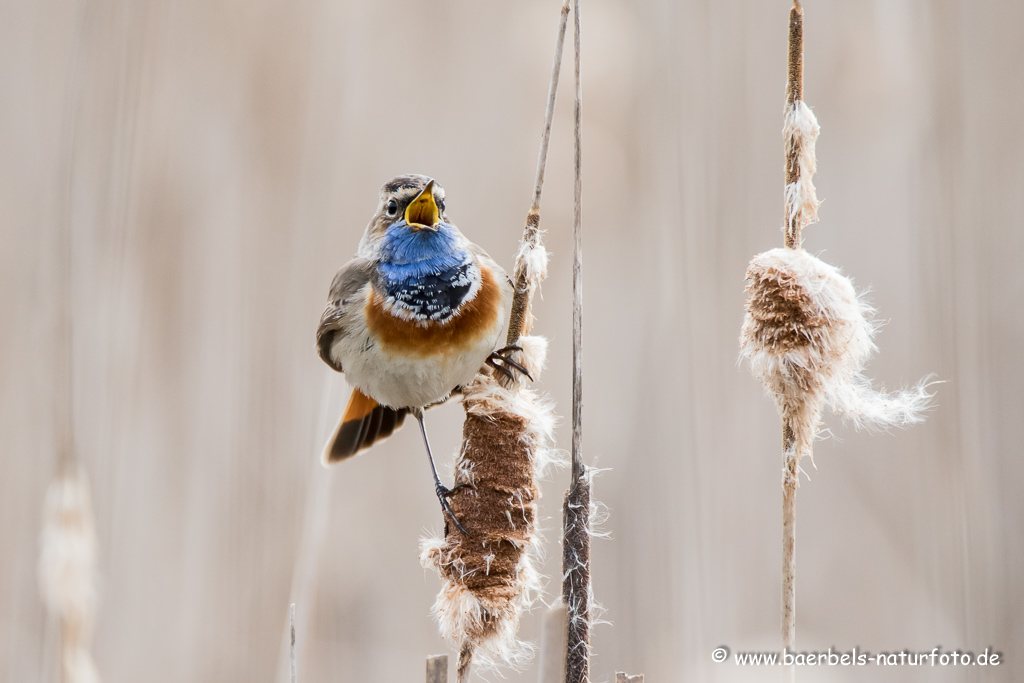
(422, 339)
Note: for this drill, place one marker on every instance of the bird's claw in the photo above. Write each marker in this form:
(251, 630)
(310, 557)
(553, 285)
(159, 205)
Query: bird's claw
(503, 355)
(442, 495)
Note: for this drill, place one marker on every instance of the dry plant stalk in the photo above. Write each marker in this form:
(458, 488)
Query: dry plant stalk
(577, 509)
(67, 571)
(437, 669)
(807, 334)
(488, 577)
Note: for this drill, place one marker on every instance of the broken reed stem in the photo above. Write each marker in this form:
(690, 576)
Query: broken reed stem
(437, 669)
(519, 318)
(576, 511)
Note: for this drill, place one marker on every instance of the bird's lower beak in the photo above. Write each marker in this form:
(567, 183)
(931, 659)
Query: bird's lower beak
(422, 213)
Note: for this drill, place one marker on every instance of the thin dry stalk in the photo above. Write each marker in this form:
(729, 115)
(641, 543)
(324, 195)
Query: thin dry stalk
(576, 587)
(531, 263)
(789, 484)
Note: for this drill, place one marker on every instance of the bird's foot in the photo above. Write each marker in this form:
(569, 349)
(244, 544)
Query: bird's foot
(501, 360)
(442, 495)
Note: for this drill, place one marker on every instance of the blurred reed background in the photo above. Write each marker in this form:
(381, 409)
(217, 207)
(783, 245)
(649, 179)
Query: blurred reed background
(217, 160)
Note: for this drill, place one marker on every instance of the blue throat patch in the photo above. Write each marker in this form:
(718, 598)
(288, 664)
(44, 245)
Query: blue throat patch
(424, 271)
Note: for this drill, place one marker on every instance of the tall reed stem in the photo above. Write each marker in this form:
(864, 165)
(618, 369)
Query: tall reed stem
(576, 511)
(794, 93)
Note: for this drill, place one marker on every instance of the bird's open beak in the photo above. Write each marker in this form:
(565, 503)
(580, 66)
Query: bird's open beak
(422, 213)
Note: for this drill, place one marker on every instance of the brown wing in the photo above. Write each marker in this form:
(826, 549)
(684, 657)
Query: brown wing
(352, 277)
(364, 423)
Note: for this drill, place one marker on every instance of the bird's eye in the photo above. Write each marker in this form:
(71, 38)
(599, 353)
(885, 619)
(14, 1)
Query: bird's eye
(440, 205)
(392, 207)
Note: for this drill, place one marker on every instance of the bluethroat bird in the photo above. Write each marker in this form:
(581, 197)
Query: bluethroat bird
(412, 318)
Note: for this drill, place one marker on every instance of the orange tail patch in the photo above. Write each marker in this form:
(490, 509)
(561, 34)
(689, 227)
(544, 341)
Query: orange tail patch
(364, 423)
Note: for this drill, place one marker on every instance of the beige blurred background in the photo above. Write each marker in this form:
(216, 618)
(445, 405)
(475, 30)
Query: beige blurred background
(217, 160)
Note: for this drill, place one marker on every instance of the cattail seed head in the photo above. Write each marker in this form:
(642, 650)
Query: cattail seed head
(807, 336)
(488, 578)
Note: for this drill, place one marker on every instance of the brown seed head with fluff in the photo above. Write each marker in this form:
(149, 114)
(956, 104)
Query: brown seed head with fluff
(807, 335)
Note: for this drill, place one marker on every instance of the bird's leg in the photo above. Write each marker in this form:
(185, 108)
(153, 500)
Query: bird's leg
(442, 491)
(504, 356)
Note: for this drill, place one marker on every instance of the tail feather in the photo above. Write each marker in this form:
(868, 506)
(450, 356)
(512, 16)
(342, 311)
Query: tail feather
(389, 422)
(364, 423)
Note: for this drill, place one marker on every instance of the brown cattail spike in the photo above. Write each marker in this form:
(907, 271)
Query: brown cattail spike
(488, 577)
(576, 587)
(795, 83)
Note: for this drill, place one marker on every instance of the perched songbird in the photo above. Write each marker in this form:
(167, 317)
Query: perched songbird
(413, 317)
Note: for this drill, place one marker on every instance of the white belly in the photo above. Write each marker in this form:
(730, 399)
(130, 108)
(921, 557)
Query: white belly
(402, 381)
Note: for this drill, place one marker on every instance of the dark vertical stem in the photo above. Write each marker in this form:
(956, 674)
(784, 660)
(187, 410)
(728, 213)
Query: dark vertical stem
(577, 269)
(576, 512)
(576, 584)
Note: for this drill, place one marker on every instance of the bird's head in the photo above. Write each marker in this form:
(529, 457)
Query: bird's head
(415, 200)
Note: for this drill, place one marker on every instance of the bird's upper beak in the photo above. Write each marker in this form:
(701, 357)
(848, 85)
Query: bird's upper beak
(422, 213)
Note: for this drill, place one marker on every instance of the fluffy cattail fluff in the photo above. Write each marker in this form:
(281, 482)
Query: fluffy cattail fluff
(807, 335)
(800, 131)
(67, 568)
(530, 270)
(488, 578)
